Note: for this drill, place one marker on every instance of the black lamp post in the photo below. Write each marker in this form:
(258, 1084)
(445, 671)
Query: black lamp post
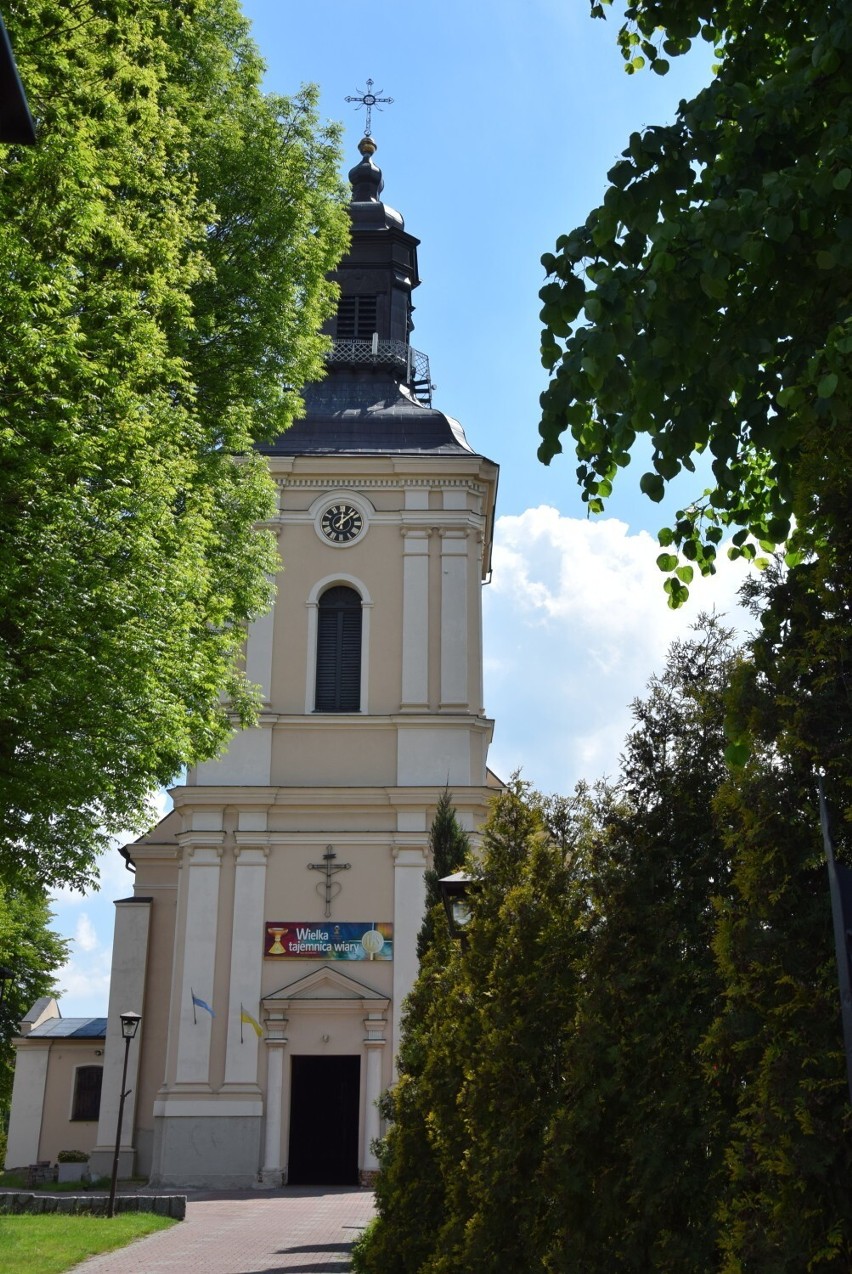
(6, 975)
(129, 1026)
(455, 892)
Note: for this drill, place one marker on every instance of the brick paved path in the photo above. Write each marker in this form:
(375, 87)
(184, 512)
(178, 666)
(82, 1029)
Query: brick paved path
(301, 1230)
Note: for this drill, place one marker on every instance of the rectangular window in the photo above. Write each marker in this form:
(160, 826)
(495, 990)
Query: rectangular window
(87, 1093)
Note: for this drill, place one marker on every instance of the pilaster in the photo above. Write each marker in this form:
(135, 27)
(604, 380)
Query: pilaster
(204, 854)
(272, 1174)
(415, 620)
(454, 618)
(409, 896)
(246, 956)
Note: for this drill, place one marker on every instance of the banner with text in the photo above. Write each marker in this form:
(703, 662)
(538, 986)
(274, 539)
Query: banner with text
(295, 939)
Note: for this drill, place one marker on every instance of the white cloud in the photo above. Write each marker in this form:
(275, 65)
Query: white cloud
(84, 984)
(85, 937)
(576, 621)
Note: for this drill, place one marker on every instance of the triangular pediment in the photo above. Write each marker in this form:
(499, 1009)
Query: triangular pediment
(326, 983)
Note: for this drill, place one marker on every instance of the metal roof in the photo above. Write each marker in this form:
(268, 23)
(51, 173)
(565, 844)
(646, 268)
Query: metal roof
(369, 416)
(71, 1028)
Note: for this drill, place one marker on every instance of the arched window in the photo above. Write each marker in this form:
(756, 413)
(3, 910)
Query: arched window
(338, 686)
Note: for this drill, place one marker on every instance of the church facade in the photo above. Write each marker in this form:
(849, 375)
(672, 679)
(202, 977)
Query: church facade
(269, 941)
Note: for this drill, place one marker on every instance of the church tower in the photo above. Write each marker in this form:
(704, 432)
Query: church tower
(270, 940)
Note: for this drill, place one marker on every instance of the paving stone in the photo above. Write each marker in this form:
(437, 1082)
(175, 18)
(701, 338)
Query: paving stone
(288, 1231)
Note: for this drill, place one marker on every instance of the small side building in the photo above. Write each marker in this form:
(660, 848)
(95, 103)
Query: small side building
(56, 1096)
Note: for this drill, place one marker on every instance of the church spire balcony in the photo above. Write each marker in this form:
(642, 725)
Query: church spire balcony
(407, 365)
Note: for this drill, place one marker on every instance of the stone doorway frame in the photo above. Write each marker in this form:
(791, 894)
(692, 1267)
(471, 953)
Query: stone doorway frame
(324, 992)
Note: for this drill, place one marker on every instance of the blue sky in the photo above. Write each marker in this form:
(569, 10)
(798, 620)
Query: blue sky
(506, 118)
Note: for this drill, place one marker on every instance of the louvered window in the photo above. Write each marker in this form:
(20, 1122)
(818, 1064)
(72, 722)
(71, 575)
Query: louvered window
(87, 1092)
(339, 651)
(356, 317)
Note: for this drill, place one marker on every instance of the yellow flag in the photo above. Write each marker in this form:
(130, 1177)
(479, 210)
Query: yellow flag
(246, 1017)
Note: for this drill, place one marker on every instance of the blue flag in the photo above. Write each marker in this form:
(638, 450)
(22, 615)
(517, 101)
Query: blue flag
(197, 1002)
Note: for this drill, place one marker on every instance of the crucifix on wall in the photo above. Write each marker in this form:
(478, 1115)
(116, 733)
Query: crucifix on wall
(330, 887)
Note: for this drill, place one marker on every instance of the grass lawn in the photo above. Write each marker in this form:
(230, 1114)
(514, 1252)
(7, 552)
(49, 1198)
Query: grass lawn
(50, 1244)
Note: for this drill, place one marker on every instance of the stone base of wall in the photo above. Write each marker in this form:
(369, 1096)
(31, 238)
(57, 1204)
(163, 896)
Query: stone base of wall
(171, 1205)
(368, 1177)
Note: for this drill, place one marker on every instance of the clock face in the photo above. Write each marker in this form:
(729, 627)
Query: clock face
(341, 523)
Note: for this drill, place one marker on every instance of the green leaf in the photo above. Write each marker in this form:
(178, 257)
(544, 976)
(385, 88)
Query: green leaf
(652, 485)
(827, 385)
(737, 754)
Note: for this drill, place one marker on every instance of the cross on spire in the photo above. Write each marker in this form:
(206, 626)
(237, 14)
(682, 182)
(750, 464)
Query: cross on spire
(330, 887)
(369, 99)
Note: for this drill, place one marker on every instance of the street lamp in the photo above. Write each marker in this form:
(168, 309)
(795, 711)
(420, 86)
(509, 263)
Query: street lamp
(455, 891)
(6, 975)
(129, 1026)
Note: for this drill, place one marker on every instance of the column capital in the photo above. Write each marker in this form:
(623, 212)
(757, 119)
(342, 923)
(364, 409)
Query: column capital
(203, 849)
(375, 1026)
(409, 856)
(276, 1025)
(251, 848)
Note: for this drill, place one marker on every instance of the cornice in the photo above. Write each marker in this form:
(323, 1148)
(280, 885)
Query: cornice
(399, 720)
(346, 797)
(304, 483)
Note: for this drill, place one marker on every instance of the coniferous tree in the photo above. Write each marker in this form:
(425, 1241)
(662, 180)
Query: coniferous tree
(520, 985)
(409, 1192)
(635, 1062)
(776, 1044)
(636, 1150)
(777, 1040)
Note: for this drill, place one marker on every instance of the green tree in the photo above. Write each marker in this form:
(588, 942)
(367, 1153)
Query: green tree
(705, 303)
(777, 1039)
(517, 996)
(34, 954)
(449, 845)
(409, 1193)
(461, 1188)
(776, 1042)
(637, 1141)
(164, 249)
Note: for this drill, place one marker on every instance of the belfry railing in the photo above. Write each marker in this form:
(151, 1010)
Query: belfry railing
(409, 364)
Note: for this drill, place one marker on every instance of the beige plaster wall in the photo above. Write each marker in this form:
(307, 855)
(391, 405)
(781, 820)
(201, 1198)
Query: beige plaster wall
(351, 753)
(58, 1130)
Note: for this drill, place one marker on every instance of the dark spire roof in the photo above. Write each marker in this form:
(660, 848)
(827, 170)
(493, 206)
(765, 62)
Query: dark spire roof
(377, 396)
